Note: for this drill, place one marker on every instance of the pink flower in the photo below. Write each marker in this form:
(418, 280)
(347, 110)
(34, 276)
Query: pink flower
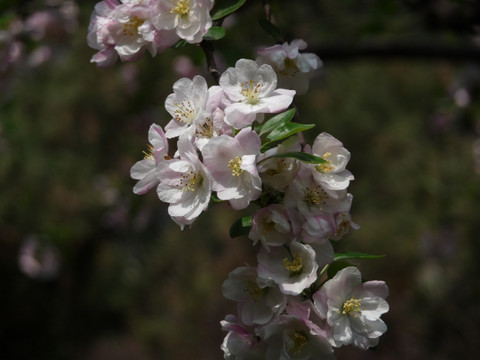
(145, 171)
(251, 90)
(232, 164)
(241, 341)
(271, 225)
(293, 68)
(352, 308)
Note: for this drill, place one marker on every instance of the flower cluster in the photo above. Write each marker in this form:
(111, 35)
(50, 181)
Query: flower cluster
(288, 308)
(128, 28)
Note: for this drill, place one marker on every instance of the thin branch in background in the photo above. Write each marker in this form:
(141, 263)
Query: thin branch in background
(268, 11)
(208, 49)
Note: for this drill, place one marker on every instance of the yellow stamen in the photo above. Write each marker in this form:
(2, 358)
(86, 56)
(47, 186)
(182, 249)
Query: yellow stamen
(299, 339)
(315, 195)
(295, 266)
(290, 67)
(254, 290)
(149, 153)
(326, 166)
(130, 28)
(352, 307)
(189, 181)
(234, 164)
(185, 112)
(250, 91)
(181, 8)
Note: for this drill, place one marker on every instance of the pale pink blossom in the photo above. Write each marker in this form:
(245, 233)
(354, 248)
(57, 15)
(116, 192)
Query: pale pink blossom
(232, 163)
(344, 225)
(259, 300)
(294, 268)
(241, 341)
(252, 89)
(332, 173)
(271, 226)
(145, 171)
(352, 308)
(184, 184)
(190, 19)
(293, 68)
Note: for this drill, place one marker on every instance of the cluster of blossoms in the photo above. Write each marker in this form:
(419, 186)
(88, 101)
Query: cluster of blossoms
(287, 306)
(128, 28)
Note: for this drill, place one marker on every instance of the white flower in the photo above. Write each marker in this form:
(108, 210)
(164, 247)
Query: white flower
(271, 225)
(232, 165)
(259, 299)
(331, 174)
(311, 198)
(293, 338)
(352, 308)
(189, 18)
(184, 183)
(292, 67)
(145, 171)
(293, 269)
(251, 90)
(241, 342)
(344, 225)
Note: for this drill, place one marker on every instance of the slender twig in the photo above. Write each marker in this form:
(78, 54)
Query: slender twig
(208, 49)
(268, 11)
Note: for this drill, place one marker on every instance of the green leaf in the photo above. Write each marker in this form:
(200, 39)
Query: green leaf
(288, 129)
(355, 255)
(215, 33)
(271, 30)
(222, 12)
(336, 267)
(277, 120)
(241, 227)
(306, 158)
(180, 44)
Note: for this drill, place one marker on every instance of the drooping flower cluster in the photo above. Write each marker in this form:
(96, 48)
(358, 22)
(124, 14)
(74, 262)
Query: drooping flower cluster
(287, 306)
(125, 29)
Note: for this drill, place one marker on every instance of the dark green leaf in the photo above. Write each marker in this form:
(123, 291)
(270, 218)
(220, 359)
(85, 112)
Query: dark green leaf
(180, 44)
(222, 12)
(271, 30)
(241, 227)
(288, 129)
(277, 120)
(306, 158)
(355, 255)
(215, 33)
(336, 267)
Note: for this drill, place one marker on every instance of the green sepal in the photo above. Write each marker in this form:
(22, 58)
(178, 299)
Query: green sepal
(180, 44)
(304, 157)
(227, 10)
(241, 227)
(277, 120)
(355, 255)
(215, 33)
(288, 129)
(215, 199)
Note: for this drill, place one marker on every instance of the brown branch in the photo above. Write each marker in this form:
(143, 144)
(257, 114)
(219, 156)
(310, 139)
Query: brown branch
(208, 49)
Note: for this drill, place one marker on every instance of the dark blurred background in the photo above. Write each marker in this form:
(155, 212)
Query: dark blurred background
(88, 270)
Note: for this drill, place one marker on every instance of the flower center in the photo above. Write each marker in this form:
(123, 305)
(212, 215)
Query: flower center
(234, 164)
(185, 112)
(295, 266)
(289, 67)
(130, 28)
(315, 195)
(326, 166)
(250, 91)
(149, 153)
(254, 290)
(181, 8)
(352, 307)
(206, 129)
(299, 340)
(190, 180)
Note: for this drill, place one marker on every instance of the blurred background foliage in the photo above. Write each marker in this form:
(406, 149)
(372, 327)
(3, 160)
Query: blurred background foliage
(88, 270)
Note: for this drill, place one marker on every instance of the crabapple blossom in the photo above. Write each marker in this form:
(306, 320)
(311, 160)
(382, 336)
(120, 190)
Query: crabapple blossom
(126, 30)
(241, 341)
(332, 173)
(310, 197)
(344, 225)
(292, 338)
(352, 308)
(278, 172)
(259, 300)
(294, 268)
(251, 90)
(193, 107)
(271, 225)
(184, 183)
(293, 68)
(145, 171)
(190, 19)
(231, 162)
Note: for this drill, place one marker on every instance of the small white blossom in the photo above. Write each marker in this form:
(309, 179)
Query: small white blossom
(352, 308)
